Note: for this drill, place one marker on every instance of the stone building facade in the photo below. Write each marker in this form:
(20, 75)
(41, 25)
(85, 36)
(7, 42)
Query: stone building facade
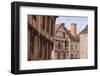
(66, 42)
(84, 43)
(40, 37)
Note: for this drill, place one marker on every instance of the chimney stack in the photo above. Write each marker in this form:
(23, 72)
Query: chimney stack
(74, 29)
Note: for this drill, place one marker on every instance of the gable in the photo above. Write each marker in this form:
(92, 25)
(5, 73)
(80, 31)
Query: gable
(62, 29)
(62, 32)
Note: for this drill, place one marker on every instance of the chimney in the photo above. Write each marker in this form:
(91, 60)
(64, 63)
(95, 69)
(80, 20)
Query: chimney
(74, 29)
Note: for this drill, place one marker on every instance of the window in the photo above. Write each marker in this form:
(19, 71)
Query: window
(34, 17)
(64, 55)
(72, 46)
(67, 56)
(66, 44)
(75, 46)
(72, 56)
(58, 55)
(64, 34)
(77, 56)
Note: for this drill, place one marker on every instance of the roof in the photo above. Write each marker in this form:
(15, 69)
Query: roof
(73, 38)
(57, 27)
(85, 30)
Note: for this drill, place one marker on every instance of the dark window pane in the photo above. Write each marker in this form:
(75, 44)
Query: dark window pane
(71, 56)
(63, 34)
(64, 55)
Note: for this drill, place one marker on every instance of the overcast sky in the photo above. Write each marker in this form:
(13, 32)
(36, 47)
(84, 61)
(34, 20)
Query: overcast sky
(80, 21)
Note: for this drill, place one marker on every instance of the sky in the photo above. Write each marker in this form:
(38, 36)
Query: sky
(79, 20)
